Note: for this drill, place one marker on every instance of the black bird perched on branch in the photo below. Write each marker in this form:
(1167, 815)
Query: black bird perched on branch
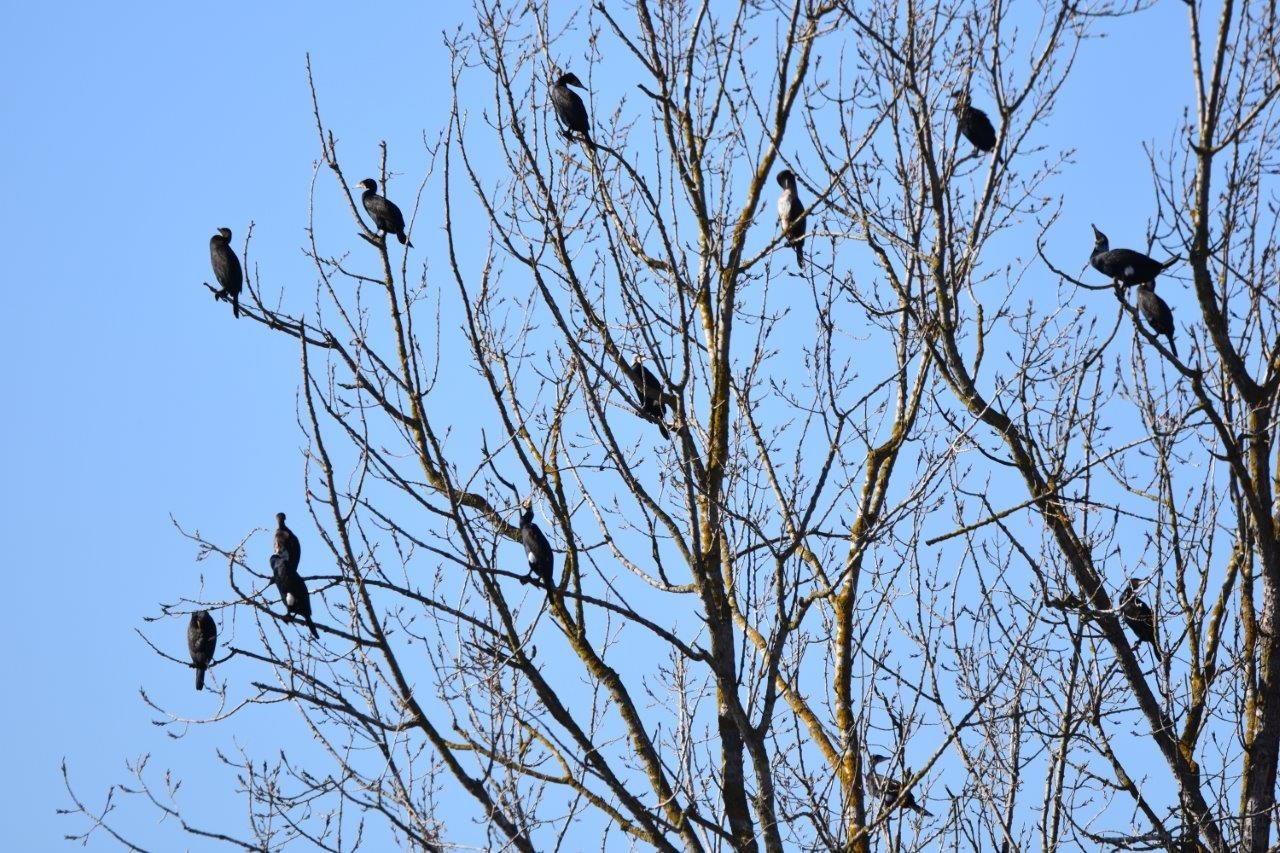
(537, 549)
(791, 214)
(386, 216)
(649, 388)
(293, 591)
(1124, 265)
(226, 269)
(202, 636)
(1139, 617)
(287, 544)
(889, 789)
(1156, 312)
(571, 112)
(973, 122)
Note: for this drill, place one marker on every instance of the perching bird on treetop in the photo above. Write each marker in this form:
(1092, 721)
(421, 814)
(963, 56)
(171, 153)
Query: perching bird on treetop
(537, 549)
(293, 591)
(973, 123)
(889, 789)
(202, 637)
(287, 544)
(649, 388)
(386, 216)
(226, 269)
(1156, 312)
(791, 214)
(1124, 265)
(1138, 616)
(571, 112)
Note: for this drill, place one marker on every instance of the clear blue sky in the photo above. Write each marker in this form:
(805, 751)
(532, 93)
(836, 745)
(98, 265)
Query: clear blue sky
(129, 135)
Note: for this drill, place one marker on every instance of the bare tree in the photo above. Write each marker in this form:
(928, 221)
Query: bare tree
(797, 516)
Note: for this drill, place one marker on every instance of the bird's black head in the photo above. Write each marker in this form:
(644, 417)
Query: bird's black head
(225, 234)
(569, 79)
(526, 514)
(369, 184)
(198, 616)
(786, 178)
(280, 519)
(1100, 241)
(875, 758)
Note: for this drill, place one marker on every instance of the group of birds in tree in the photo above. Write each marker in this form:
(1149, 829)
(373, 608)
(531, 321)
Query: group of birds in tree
(574, 122)
(1129, 267)
(202, 632)
(537, 550)
(971, 121)
(387, 219)
(1124, 266)
(284, 572)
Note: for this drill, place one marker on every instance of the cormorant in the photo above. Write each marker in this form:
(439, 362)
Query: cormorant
(386, 216)
(1156, 312)
(1138, 616)
(536, 547)
(293, 591)
(973, 122)
(202, 636)
(571, 112)
(1124, 265)
(287, 544)
(889, 789)
(649, 387)
(791, 214)
(226, 268)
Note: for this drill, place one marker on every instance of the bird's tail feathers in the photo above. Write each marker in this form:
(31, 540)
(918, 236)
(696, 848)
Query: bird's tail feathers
(199, 678)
